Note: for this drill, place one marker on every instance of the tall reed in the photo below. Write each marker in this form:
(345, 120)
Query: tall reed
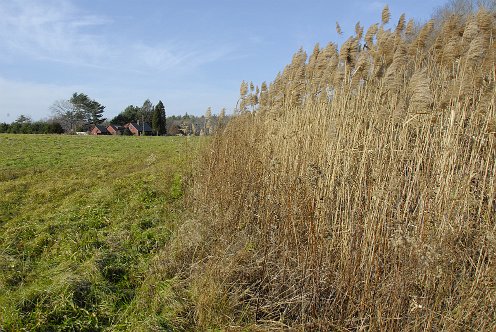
(360, 192)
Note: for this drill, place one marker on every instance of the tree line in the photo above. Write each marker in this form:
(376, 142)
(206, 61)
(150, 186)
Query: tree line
(80, 113)
(24, 125)
(171, 125)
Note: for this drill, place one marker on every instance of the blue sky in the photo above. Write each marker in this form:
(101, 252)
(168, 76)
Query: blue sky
(189, 54)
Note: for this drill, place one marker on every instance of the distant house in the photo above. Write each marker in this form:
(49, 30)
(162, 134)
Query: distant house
(115, 130)
(99, 130)
(138, 129)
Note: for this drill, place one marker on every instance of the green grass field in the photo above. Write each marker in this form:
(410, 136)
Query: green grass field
(81, 221)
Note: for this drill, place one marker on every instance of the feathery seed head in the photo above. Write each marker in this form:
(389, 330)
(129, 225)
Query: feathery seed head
(358, 31)
(386, 15)
(401, 24)
(410, 26)
(395, 71)
(316, 51)
(421, 96)
(424, 34)
(451, 25)
(471, 30)
(349, 51)
(243, 89)
(484, 20)
(451, 50)
(477, 49)
(299, 58)
(369, 36)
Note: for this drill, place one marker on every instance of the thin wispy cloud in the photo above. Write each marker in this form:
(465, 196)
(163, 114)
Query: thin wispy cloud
(50, 30)
(177, 56)
(58, 31)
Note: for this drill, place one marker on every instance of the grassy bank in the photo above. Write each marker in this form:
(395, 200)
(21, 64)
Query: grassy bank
(81, 220)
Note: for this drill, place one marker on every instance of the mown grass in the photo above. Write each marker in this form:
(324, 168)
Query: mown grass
(81, 220)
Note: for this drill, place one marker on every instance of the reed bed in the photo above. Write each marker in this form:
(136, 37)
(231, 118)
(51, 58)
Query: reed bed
(357, 190)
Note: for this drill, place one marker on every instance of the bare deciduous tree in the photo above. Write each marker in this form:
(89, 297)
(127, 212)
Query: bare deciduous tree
(69, 116)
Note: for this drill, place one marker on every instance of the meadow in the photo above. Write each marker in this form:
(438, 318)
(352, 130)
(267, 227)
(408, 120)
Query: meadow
(81, 221)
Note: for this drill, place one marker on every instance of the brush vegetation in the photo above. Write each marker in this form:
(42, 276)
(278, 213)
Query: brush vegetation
(82, 220)
(357, 191)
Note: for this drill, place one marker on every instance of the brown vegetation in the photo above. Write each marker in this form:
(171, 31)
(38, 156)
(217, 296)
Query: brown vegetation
(360, 191)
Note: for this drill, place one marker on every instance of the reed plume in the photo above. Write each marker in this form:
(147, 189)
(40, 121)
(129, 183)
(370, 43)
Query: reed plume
(471, 31)
(421, 96)
(395, 71)
(358, 31)
(477, 50)
(369, 36)
(401, 24)
(386, 15)
(410, 27)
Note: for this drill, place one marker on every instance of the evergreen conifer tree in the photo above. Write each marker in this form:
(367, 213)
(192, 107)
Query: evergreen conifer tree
(158, 119)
